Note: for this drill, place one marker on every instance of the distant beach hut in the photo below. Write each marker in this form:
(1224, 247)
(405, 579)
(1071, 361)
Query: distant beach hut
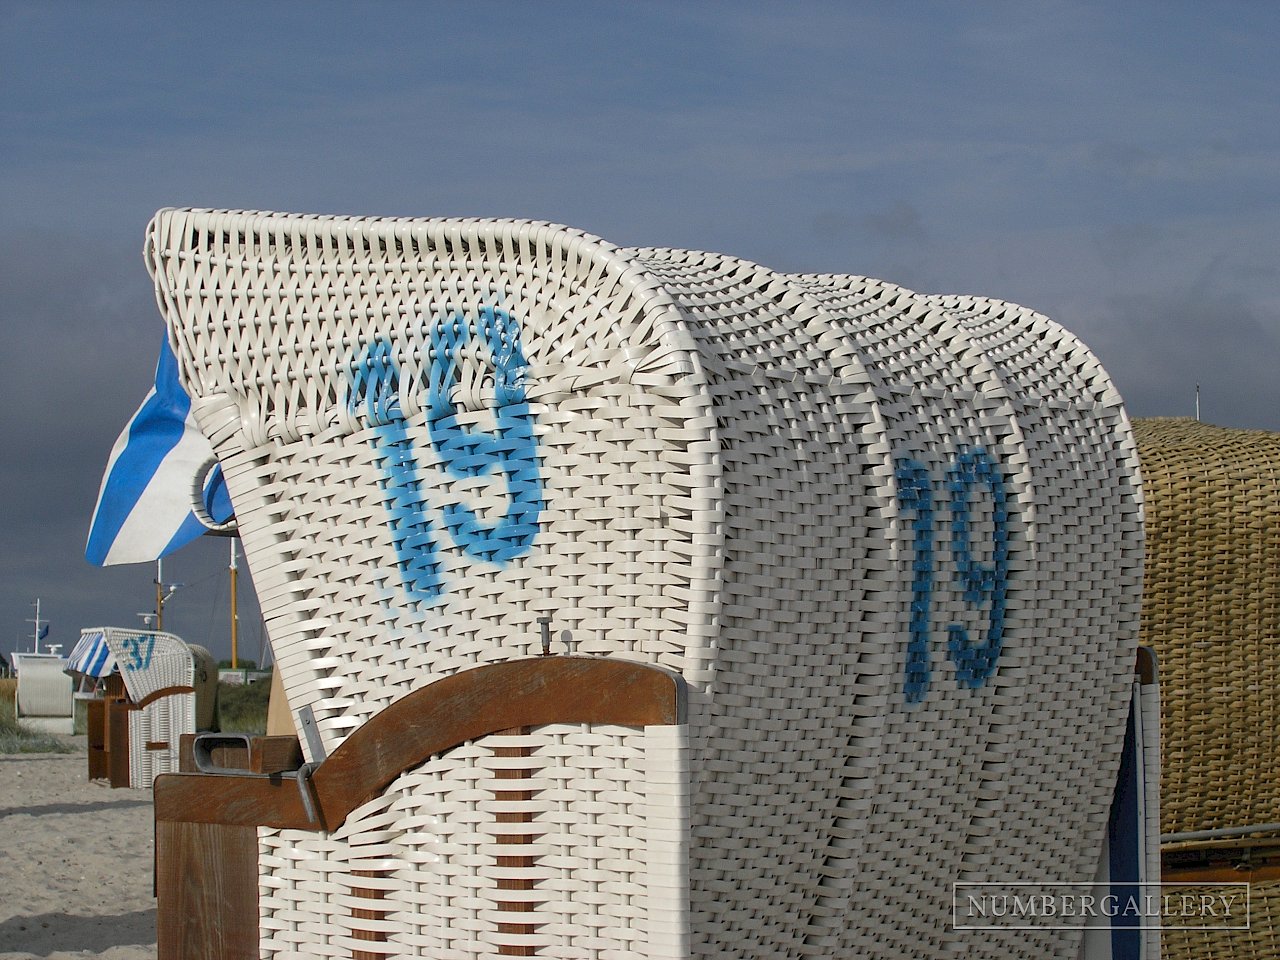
(141, 695)
(43, 694)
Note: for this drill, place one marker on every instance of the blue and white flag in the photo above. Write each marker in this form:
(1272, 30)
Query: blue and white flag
(158, 466)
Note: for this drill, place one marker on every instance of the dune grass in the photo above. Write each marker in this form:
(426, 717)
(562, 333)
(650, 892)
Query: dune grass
(242, 708)
(17, 737)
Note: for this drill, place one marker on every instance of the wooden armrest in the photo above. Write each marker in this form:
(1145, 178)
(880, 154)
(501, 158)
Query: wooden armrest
(206, 824)
(448, 712)
(261, 755)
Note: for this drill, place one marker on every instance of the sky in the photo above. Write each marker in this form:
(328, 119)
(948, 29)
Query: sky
(1115, 166)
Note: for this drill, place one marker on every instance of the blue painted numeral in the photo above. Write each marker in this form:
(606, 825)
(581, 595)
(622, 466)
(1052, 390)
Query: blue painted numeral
(979, 583)
(915, 493)
(375, 393)
(138, 651)
(463, 451)
(466, 451)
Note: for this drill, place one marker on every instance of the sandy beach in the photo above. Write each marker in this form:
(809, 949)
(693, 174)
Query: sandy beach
(75, 863)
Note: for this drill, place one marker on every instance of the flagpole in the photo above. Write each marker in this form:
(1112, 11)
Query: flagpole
(164, 593)
(159, 595)
(35, 632)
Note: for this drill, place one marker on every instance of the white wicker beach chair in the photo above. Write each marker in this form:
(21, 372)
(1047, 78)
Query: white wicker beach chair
(158, 675)
(890, 545)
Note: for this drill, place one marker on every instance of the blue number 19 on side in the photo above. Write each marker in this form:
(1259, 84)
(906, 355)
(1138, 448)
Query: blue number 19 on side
(979, 583)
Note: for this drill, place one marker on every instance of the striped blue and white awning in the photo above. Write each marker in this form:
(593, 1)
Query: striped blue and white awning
(159, 466)
(91, 656)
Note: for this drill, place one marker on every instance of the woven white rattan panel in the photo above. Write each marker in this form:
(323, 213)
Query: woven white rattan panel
(277, 321)
(162, 721)
(1070, 606)
(568, 839)
(892, 542)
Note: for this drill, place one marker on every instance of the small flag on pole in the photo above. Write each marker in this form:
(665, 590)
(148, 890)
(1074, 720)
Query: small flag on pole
(144, 509)
(44, 632)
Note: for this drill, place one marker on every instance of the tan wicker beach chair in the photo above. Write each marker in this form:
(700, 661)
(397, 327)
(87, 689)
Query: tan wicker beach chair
(841, 585)
(1212, 610)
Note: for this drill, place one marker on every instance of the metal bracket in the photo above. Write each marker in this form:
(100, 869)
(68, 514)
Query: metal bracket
(306, 790)
(545, 624)
(311, 733)
(205, 743)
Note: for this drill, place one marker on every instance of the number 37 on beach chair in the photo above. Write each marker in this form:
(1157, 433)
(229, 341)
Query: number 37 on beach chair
(637, 602)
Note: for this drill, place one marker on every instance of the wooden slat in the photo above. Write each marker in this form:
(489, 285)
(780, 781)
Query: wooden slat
(371, 912)
(163, 692)
(97, 745)
(1146, 667)
(515, 856)
(206, 892)
(473, 703)
(441, 715)
(279, 719)
(118, 742)
(1221, 873)
(1225, 860)
(247, 801)
(274, 754)
(1252, 846)
(96, 723)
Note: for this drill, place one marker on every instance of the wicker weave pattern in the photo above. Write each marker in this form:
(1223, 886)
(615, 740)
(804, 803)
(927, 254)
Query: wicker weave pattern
(724, 459)
(149, 661)
(163, 721)
(1086, 521)
(1261, 941)
(443, 837)
(312, 494)
(1212, 611)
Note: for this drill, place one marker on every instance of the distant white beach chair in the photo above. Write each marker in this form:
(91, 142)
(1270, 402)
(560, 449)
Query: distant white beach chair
(143, 728)
(850, 578)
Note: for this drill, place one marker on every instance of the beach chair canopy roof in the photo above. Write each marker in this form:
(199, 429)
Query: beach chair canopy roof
(148, 660)
(92, 656)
